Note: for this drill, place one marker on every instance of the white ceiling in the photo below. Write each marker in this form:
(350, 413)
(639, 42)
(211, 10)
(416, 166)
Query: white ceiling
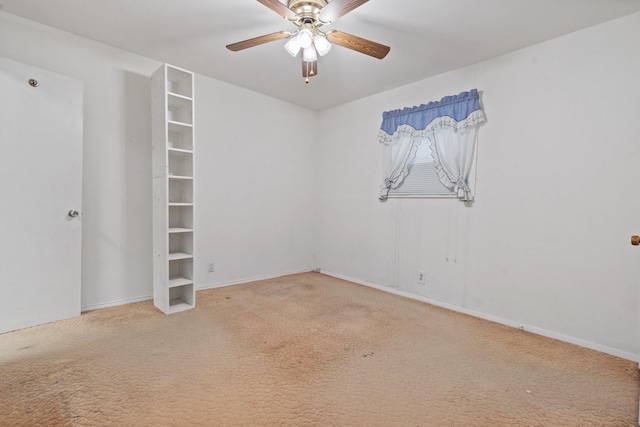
(427, 37)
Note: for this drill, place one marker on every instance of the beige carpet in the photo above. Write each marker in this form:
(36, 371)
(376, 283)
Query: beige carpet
(304, 350)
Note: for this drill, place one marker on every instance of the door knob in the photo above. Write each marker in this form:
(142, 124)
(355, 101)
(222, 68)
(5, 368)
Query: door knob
(635, 240)
(73, 213)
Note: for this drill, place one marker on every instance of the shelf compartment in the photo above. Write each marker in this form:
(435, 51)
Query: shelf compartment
(180, 246)
(179, 136)
(181, 217)
(180, 163)
(179, 82)
(181, 298)
(181, 268)
(179, 109)
(180, 191)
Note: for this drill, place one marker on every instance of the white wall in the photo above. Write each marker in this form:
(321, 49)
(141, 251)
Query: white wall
(546, 244)
(257, 226)
(254, 178)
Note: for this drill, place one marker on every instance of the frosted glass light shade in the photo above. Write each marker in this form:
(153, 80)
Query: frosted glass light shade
(322, 44)
(293, 46)
(309, 54)
(305, 38)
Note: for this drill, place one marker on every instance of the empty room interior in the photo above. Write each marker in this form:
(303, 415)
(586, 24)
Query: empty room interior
(432, 221)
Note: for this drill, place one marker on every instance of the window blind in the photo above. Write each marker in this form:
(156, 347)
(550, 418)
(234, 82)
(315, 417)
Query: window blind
(423, 177)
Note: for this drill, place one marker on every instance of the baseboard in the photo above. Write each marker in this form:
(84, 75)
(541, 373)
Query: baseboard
(250, 279)
(115, 303)
(533, 329)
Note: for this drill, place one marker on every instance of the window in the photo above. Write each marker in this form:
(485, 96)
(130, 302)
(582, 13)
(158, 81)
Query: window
(449, 128)
(423, 177)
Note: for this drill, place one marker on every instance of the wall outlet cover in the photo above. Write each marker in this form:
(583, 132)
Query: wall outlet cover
(422, 277)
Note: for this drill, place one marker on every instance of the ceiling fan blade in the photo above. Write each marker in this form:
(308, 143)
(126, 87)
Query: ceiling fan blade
(280, 9)
(309, 69)
(258, 41)
(358, 44)
(338, 8)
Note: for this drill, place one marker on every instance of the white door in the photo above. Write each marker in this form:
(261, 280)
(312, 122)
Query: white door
(40, 183)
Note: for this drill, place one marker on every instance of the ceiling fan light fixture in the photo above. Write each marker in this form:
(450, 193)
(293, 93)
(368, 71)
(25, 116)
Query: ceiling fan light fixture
(305, 38)
(309, 54)
(293, 46)
(322, 44)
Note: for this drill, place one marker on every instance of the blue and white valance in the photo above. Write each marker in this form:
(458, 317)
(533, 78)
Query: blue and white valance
(448, 125)
(457, 112)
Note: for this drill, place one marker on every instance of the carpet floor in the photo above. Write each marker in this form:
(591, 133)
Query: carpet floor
(304, 350)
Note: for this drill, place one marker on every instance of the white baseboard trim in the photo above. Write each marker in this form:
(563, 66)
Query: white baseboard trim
(115, 303)
(533, 329)
(250, 279)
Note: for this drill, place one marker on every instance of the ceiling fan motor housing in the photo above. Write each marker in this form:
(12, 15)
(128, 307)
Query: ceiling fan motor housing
(307, 11)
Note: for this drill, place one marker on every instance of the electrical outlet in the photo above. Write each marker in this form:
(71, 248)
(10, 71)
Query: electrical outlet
(422, 277)
(212, 267)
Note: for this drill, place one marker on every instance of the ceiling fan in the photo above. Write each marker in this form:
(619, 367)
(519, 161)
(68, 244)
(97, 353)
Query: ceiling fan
(309, 16)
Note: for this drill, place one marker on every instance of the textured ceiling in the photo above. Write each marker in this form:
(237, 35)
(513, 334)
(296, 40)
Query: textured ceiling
(427, 37)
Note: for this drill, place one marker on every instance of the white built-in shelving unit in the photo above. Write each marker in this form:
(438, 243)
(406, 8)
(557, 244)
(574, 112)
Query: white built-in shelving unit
(173, 189)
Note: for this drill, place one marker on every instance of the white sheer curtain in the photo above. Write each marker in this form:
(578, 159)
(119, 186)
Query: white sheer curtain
(453, 152)
(449, 124)
(398, 157)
